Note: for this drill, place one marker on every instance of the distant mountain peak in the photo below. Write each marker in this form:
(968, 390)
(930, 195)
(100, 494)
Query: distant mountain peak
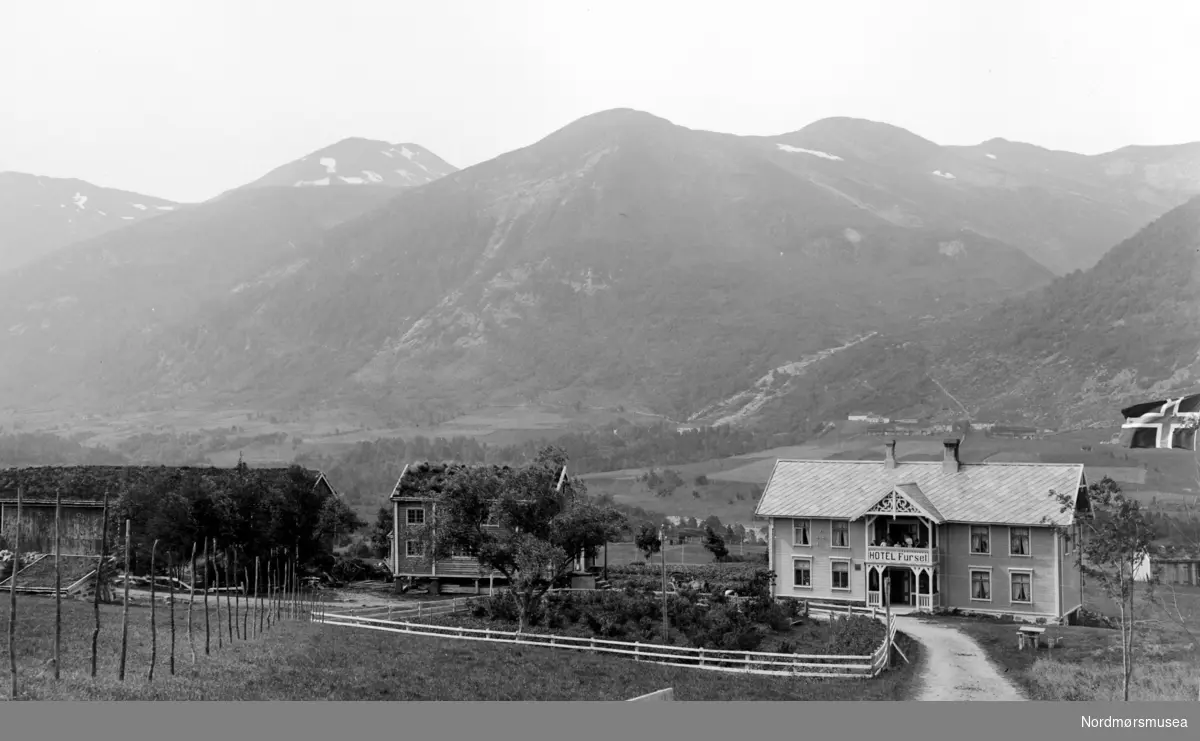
(359, 161)
(39, 214)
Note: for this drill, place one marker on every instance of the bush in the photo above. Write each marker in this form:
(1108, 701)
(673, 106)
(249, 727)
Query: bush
(855, 635)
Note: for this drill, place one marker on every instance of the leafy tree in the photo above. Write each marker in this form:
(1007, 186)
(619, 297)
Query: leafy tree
(381, 530)
(541, 528)
(1116, 539)
(715, 544)
(647, 540)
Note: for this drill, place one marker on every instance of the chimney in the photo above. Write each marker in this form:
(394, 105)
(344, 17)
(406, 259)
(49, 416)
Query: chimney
(889, 454)
(950, 462)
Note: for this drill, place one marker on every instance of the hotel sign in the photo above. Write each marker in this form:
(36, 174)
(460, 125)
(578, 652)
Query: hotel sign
(906, 556)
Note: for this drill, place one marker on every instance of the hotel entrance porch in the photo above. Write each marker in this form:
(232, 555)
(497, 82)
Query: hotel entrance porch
(912, 587)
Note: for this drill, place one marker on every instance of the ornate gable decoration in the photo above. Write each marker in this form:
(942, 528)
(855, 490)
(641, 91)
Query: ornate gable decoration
(897, 504)
(894, 504)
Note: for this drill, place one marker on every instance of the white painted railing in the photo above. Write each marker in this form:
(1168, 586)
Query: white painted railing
(748, 662)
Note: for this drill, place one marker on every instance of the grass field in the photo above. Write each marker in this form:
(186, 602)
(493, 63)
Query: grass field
(1087, 664)
(309, 661)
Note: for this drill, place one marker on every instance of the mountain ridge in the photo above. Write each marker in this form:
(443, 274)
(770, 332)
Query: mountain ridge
(39, 214)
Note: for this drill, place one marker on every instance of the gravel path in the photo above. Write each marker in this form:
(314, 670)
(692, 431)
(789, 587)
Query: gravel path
(955, 667)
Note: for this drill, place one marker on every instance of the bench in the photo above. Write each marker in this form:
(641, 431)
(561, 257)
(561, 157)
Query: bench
(1032, 634)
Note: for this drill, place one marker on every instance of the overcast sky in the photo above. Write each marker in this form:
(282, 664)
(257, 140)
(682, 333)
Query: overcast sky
(184, 99)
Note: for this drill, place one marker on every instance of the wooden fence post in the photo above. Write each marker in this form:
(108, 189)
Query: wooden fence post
(171, 586)
(207, 632)
(191, 605)
(153, 613)
(217, 582)
(12, 601)
(57, 581)
(246, 605)
(257, 602)
(99, 580)
(237, 599)
(125, 612)
(228, 608)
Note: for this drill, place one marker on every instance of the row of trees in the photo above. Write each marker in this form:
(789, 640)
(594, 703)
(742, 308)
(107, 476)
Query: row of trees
(251, 513)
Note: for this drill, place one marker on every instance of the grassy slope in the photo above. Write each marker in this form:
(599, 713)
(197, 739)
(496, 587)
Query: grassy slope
(304, 661)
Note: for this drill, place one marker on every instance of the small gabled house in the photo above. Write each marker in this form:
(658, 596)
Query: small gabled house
(943, 534)
(414, 501)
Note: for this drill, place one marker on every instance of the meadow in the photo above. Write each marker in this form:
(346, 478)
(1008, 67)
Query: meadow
(310, 661)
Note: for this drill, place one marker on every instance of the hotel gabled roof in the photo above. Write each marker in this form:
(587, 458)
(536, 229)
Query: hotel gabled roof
(992, 493)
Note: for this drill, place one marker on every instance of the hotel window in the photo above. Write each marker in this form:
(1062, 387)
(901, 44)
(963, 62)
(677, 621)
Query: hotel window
(802, 573)
(981, 539)
(416, 516)
(414, 548)
(840, 534)
(800, 533)
(841, 575)
(1022, 586)
(459, 551)
(981, 585)
(492, 520)
(1018, 541)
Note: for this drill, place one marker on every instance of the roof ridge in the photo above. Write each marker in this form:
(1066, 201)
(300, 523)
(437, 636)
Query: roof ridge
(934, 462)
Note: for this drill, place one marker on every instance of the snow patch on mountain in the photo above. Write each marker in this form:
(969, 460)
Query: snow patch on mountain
(138, 206)
(946, 175)
(80, 199)
(813, 152)
(990, 156)
(329, 163)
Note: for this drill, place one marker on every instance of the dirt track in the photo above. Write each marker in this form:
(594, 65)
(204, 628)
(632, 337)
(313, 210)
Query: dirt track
(955, 667)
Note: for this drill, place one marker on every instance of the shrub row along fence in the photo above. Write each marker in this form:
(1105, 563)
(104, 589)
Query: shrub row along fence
(747, 662)
(254, 602)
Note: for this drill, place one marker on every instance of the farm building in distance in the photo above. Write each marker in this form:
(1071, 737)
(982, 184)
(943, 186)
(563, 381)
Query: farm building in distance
(947, 534)
(1176, 566)
(414, 505)
(874, 419)
(83, 490)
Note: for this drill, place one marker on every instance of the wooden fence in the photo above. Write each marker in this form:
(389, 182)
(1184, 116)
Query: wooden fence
(747, 662)
(667, 694)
